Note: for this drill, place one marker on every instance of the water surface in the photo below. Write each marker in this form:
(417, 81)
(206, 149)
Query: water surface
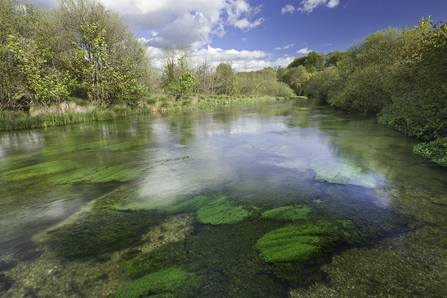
(239, 201)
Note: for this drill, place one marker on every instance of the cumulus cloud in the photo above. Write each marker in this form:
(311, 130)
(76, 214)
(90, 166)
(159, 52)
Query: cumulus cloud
(303, 51)
(246, 25)
(285, 48)
(288, 8)
(241, 60)
(193, 22)
(309, 5)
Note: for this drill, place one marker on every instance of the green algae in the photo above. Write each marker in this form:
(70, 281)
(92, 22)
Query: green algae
(341, 172)
(194, 204)
(222, 257)
(292, 243)
(179, 205)
(120, 173)
(287, 213)
(170, 254)
(163, 283)
(46, 168)
(221, 214)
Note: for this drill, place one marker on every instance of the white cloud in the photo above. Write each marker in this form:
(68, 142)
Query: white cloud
(285, 48)
(193, 22)
(333, 3)
(310, 5)
(288, 8)
(245, 25)
(304, 51)
(241, 60)
(244, 39)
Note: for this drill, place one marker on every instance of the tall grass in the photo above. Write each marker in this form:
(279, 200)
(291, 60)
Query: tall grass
(13, 120)
(48, 120)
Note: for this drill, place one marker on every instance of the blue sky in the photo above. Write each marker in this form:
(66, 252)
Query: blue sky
(256, 33)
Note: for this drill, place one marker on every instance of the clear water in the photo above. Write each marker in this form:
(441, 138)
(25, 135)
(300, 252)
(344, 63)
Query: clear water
(206, 190)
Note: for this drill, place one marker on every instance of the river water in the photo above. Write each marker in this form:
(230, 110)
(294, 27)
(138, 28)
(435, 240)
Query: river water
(285, 198)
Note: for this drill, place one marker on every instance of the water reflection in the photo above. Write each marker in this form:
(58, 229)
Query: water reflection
(267, 155)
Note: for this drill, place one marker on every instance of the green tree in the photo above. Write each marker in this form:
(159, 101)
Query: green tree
(95, 75)
(334, 57)
(226, 79)
(184, 83)
(44, 84)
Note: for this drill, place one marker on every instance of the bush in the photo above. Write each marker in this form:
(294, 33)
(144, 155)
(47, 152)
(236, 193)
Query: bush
(435, 151)
(151, 101)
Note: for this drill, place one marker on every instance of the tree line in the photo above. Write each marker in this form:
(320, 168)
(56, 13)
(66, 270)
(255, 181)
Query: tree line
(83, 49)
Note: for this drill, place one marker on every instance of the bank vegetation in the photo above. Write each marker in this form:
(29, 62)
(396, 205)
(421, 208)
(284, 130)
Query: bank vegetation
(398, 74)
(82, 53)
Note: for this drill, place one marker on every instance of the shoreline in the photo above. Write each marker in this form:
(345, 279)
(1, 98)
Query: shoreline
(71, 112)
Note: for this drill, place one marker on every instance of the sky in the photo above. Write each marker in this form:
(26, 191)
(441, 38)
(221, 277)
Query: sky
(254, 34)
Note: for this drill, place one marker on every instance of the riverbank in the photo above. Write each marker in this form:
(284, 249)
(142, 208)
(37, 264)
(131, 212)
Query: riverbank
(78, 110)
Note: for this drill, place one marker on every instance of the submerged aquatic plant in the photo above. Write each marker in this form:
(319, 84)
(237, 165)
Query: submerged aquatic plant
(217, 214)
(164, 283)
(287, 213)
(293, 243)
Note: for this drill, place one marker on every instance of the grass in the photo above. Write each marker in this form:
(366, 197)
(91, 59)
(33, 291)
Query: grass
(18, 120)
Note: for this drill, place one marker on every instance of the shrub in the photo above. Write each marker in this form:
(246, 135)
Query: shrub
(435, 151)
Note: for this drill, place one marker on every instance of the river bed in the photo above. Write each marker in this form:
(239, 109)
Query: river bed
(285, 198)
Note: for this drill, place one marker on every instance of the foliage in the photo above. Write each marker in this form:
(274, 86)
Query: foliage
(93, 72)
(184, 83)
(226, 79)
(22, 21)
(43, 83)
(287, 213)
(423, 108)
(435, 151)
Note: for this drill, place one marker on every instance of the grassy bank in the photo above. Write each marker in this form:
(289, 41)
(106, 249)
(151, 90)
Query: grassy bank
(78, 111)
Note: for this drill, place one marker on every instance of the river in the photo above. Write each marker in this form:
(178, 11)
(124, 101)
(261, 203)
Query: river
(286, 198)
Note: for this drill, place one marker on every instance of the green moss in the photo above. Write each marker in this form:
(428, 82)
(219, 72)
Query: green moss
(288, 213)
(217, 214)
(164, 283)
(292, 243)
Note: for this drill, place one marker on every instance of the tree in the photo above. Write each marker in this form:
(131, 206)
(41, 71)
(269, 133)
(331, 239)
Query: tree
(184, 83)
(177, 61)
(19, 20)
(44, 85)
(93, 73)
(334, 57)
(225, 78)
(125, 54)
